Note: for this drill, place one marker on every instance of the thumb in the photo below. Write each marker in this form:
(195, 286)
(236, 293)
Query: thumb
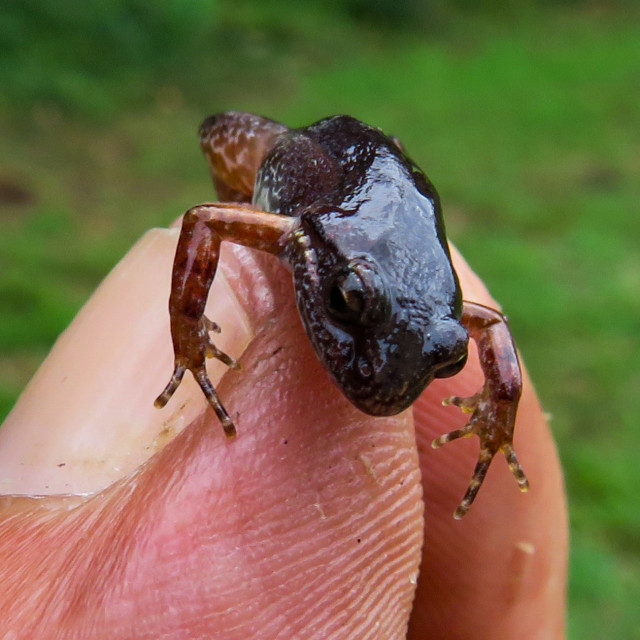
(308, 525)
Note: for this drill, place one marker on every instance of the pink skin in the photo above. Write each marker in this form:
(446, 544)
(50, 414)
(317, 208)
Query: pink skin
(308, 525)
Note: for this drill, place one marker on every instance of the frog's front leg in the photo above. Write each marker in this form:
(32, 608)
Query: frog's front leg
(203, 229)
(494, 407)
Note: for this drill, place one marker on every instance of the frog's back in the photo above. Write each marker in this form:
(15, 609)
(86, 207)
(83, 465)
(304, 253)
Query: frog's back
(372, 273)
(328, 162)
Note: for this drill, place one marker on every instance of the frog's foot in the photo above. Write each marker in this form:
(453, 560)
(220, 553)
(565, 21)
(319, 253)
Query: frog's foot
(191, 355)
(494, 426)
(212, 351)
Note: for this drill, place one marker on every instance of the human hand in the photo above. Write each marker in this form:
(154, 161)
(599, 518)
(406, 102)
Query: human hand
(308, 525)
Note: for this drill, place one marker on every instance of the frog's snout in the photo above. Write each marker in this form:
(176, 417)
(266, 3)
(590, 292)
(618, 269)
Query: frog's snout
(452, 351)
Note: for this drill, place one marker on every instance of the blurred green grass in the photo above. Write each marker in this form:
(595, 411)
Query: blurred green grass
(527, 120)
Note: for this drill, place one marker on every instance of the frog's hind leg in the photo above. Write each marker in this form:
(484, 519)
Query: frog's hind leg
(235, 143)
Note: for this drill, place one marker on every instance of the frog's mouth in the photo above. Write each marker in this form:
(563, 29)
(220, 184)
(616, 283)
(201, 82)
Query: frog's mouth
(383, 376)
(386, 399)
(453, 368)
(386, 404)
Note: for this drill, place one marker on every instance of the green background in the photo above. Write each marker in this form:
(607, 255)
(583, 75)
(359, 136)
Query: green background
(525, 115)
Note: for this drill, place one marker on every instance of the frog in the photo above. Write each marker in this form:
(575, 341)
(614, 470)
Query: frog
(360, 228)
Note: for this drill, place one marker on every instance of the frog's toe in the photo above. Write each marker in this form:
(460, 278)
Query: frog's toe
(210, 325)
(465, 432)
(515, 467)
(482, 466)
(213, 352)
(468, 405)
(488, 450)
(212, 398)
(169, 390)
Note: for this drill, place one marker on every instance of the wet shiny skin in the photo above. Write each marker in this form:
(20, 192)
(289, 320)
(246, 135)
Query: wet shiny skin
(373, 277)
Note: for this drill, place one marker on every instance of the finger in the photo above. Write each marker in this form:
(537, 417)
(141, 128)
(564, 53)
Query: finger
(501, 571)
(307, 525)
(85, 419)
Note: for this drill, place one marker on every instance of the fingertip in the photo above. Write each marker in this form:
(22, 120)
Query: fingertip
(472, 583)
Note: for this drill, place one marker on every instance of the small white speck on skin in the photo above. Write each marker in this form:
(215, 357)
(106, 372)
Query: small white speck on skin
(368, 466)
(318, 507)
(526, 547)
(521, 564)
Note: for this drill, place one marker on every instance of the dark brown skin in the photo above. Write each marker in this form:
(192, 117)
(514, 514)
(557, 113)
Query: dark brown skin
(361, 228)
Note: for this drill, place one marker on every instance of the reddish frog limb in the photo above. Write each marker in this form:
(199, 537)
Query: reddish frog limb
(203, 229)
(495, 406)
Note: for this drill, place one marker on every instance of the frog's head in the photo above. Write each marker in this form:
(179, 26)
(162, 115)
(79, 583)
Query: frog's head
(383, 330)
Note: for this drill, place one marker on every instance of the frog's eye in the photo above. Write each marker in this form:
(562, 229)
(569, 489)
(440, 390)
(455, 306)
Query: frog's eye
(346, 298)
(358, 295)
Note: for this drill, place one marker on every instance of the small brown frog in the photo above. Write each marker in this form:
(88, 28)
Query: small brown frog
(360, 226)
